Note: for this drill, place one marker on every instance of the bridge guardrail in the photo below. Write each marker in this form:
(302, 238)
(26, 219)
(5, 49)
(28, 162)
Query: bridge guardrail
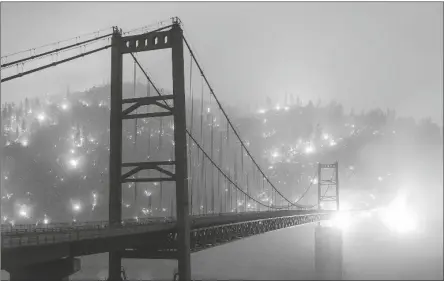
(7, 229)
(54, 227)
(73, 234)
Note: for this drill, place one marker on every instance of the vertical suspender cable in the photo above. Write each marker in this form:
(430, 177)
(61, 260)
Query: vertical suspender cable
(211, 155)
(218, 174)
(135, 136)
(189, 139)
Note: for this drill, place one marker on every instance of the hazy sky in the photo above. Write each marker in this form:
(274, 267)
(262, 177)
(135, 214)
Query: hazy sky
(361, 54)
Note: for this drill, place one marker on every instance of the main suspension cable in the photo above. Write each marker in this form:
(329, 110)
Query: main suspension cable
(231, 124)
(200, 148)
(6, 65)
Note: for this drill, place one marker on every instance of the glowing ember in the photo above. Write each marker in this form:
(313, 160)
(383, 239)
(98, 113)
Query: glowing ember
(309, 149)
(24, 142)
(41, 117)
(24, 211)
(76, 207)
(261, 111)
(74, 163)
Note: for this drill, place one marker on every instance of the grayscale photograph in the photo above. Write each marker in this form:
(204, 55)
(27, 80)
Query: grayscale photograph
(176, 140)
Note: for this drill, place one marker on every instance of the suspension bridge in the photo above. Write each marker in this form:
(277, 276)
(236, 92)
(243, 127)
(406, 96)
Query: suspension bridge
(219, 193)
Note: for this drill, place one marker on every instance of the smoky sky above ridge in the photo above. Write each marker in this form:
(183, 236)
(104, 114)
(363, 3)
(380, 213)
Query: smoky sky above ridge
(364, 55)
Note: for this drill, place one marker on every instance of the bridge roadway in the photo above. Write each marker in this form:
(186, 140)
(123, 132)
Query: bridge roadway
(149, 238)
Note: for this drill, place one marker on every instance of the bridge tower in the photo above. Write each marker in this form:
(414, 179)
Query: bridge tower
(159, 39)
(328, 188)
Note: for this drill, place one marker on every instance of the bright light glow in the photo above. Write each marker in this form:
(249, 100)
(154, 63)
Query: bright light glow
(147, 193)
(309, 149)
(208, 110)
(332, 143)
(24, 211)
(45, 220)
(72, 151)
(325, 136)
(145, 211)
(278, 107)
(314, 181)
(286, 108)
(344, 206)
(94, 203)
(41, 117)
(24, 142)
(275, 154)
(76, 206)
(74, 163)
(379, 178)
(351, 168)
(342, 220)
(261, 111)
(398, 217)
(64, 106)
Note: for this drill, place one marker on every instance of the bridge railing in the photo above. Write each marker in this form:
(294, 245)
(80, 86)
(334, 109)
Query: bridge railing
(7, 229)
(21, 237)
(66, 226)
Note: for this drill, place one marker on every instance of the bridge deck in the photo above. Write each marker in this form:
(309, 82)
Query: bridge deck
(37, 245)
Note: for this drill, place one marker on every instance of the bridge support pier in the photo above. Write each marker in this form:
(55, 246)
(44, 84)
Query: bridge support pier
(328, 253)
(54, 271)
